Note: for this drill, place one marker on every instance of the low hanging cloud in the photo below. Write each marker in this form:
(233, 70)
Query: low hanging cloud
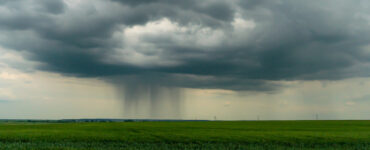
(242, 45)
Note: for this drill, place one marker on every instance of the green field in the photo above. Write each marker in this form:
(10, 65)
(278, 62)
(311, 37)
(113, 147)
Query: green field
(187, 135)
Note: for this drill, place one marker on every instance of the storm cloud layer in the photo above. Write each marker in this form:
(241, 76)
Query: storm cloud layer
(243, 45)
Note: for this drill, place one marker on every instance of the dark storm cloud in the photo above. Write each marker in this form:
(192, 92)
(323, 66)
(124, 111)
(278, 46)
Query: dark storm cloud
(217, 9)
(46, 6)
(290, 40)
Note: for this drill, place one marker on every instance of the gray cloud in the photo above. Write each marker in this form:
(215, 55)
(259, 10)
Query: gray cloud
(4, 101)
(187, 10)
(202, 46)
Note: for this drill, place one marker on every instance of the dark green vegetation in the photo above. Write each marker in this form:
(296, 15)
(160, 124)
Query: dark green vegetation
(187, 135)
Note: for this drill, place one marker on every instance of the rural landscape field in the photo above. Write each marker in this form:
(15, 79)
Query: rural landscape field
(187, 135)
(185, 74)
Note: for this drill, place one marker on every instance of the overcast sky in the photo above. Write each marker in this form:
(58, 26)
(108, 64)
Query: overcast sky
(234, 59)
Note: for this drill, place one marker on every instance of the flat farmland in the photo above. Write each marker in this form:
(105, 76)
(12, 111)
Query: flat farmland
(187, 135)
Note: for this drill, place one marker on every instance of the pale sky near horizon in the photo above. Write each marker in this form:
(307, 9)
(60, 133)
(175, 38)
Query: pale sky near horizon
(233, 60)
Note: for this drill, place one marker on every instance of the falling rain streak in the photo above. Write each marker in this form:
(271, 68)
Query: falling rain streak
(144, 99)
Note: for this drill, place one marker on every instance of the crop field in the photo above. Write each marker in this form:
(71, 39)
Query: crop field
(187, 135)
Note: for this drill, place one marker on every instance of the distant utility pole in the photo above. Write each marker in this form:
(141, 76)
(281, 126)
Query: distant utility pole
(215, 118)
(258, 117)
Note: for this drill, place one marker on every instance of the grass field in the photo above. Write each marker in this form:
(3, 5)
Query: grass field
(188, 135)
